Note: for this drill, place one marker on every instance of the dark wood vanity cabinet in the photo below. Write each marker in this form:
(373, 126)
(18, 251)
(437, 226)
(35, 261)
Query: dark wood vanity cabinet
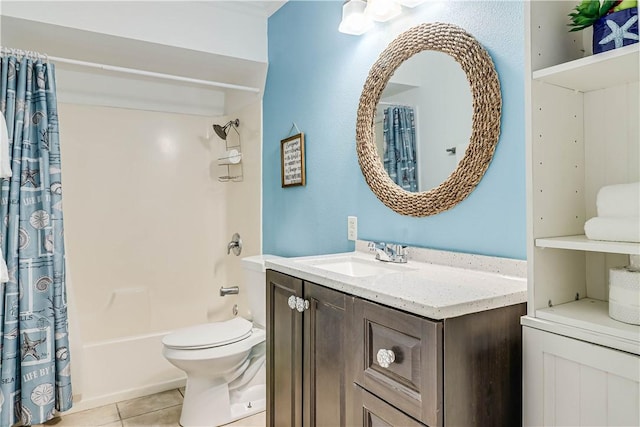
(284, 352)
(460, 371)
(413, 381)
(323, 367)
(306, 354)
(371, 411)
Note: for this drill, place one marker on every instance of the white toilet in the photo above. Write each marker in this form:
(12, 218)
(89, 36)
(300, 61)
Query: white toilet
(224, 361)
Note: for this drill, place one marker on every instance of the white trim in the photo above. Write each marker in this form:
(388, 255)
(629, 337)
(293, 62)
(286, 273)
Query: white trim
(80, 405)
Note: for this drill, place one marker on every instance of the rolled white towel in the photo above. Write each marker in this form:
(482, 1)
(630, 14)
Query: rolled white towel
(619, 200)
(616, 229)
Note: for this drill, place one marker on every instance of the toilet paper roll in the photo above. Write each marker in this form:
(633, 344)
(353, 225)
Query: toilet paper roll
(624, 295)
(231, 157)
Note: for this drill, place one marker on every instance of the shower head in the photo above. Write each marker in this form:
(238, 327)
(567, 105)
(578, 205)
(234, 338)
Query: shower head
(222, 131)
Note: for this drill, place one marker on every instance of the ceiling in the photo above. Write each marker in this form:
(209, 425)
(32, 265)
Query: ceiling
(260, 7)
(269, 6)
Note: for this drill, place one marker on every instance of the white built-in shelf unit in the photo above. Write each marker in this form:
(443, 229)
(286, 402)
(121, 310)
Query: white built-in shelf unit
(582, 243)
(583, 135)
(594, 72)
(580, 366)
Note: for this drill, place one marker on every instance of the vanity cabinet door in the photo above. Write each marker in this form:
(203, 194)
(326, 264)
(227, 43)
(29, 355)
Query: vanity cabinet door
(306, 354)
(483, 368)
(325, 357)
(373, 412)
(399, 359)
(284, 352)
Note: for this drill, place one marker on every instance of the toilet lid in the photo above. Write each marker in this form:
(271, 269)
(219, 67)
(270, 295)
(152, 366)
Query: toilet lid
(209, 335)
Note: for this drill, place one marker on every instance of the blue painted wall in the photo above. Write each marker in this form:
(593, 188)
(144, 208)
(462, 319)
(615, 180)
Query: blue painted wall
(315, 78)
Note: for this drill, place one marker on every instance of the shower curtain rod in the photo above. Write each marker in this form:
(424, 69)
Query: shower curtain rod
(125, 70)
(152, 74)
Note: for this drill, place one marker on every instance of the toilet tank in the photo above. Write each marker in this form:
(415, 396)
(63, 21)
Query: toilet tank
(255, 286)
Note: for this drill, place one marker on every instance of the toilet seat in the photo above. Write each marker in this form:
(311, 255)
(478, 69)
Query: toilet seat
(209, 335)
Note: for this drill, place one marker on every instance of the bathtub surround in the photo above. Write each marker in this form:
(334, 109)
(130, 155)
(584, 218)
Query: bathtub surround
(326, 70)
(159, 257)
(35, 367)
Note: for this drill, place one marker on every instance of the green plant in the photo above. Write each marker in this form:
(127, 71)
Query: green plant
(588, 12)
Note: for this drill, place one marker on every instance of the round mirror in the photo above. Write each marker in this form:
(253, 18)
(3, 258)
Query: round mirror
(436, 194)
(424, 111)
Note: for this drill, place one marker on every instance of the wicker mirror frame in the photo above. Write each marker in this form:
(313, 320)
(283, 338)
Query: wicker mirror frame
(487, 106)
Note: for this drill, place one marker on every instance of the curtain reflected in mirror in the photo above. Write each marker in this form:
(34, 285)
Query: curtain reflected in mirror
(399, 149)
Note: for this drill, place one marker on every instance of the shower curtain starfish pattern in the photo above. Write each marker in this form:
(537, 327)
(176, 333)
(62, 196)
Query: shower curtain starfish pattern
(35, 376)
(399, 133)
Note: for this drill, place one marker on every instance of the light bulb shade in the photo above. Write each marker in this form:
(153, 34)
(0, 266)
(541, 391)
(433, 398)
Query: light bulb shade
(410, 3)
(382, 10)
(354, 20)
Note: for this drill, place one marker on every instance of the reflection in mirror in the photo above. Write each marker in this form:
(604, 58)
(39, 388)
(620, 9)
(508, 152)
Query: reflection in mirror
(423, 120)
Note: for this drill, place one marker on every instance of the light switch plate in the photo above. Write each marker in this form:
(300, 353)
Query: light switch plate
(352, 228)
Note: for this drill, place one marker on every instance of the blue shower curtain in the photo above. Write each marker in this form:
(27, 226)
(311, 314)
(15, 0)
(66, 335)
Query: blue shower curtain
(400, 146)
(34, 367)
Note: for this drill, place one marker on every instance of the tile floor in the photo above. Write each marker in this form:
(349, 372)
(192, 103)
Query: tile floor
(161, 409)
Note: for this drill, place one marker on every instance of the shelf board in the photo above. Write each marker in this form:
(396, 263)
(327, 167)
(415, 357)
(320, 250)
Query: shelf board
(591, 315)
(581, 243)
(607, 69)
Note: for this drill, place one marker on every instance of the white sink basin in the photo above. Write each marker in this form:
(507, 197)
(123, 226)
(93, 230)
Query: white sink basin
(355, 267)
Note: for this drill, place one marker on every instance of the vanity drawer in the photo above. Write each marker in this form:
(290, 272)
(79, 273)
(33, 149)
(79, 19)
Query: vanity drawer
(373, 412)
(413, 381)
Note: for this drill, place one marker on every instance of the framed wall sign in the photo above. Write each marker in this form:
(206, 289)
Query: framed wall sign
(292, 158)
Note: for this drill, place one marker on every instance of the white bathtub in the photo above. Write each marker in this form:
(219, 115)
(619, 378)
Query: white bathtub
(123, 369)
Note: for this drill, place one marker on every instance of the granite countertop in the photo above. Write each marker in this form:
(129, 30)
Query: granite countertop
(456, 285)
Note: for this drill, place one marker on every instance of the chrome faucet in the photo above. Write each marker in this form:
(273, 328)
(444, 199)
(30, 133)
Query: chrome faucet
(389, 252)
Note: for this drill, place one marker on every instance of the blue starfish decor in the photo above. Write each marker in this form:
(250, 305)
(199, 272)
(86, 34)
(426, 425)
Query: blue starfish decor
(615, 30)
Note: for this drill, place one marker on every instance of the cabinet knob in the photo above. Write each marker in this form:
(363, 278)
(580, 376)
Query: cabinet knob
(292, 302)
(302, 304)
(385, 357)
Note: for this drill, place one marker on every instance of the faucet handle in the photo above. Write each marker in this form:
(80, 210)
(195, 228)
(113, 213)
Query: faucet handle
(373, 246)
(401, 253)
(400, 249)
(235, 245)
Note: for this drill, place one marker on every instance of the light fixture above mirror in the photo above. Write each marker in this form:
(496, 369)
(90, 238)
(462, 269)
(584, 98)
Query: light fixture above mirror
(382, 10)
(354, 19)
(358, 15)
(411, 3)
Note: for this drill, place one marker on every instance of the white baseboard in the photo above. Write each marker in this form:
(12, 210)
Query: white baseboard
(80, 404)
